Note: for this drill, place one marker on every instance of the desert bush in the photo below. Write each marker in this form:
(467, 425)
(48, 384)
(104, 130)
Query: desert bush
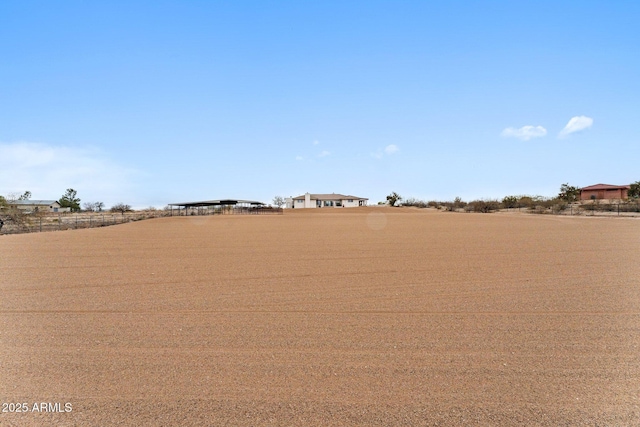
(412, 201)
(121, 208)
(458, 203)
(448, 206)
(539, 209)
(482, 206)
(559, 207)
(509, 202)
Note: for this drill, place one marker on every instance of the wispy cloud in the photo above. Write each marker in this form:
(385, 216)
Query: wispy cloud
(299, 158)
(47, 171)
(576, 124)
(388, 150)
(391, 149)
(316, 142)
(524, 133)
(324, 153)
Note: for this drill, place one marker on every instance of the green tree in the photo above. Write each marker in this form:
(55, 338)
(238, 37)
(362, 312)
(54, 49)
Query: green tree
(70, 200)
(25, 196)
(634, 190)
(569, 193)
(510, 202)
(3, 202)
(393, 198)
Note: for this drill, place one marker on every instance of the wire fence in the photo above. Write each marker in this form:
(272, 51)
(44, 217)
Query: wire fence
(18, 223)
(629, 209)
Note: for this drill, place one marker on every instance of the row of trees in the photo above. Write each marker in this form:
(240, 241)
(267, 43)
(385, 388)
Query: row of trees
(69, 200)
(568, 194)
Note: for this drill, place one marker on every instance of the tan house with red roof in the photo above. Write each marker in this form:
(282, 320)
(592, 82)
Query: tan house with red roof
(604, 192)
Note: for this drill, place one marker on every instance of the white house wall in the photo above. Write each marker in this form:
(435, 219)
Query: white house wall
(309, 203)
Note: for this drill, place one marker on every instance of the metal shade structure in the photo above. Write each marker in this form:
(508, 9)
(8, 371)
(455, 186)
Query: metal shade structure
(224, 206)
(223, 202)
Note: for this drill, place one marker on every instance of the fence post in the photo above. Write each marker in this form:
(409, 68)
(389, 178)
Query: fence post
(41, 224)
(76, 221)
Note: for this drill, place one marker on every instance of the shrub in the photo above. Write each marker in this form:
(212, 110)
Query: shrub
(412, 201)
(510, 202)
(121, 207)
(482, 206)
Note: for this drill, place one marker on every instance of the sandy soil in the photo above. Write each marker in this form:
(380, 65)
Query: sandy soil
(359, 317)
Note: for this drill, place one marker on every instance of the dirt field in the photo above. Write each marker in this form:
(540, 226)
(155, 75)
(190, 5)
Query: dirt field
(357, 317)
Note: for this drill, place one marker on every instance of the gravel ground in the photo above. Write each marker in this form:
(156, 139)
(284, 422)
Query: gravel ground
(331, 317)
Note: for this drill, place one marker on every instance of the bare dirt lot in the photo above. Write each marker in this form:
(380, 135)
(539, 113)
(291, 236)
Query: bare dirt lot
(373, 316)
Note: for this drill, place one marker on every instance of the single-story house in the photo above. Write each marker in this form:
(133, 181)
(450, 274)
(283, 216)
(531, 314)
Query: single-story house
(325, 201)
(604, 192)
(37, 206)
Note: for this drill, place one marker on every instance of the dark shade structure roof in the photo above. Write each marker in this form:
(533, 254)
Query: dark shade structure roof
(222, 202)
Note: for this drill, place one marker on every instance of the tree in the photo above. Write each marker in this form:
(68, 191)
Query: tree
(458, 203)
(634, 190)
(569, 193)
(25, 196)
(393, 198)
(93, 206)
(70, 200)
(278, 201)
(510, 202)
(121, 207)
(12, 197)
(3, 202)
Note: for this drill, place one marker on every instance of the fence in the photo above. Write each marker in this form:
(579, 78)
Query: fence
(25, 223)
(225, 210)
(629, 209)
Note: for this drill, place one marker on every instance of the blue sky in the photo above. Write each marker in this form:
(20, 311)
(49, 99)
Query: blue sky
(153, 102)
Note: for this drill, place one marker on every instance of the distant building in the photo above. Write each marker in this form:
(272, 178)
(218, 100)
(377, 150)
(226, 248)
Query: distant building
(332, 200)
(37, 206)
(604, 192)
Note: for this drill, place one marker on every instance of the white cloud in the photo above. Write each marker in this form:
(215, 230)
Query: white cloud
(299, 158)
(524, 133)
(47, 171)
(390, 149)
(324, 153)
(576, 124)
(316, 142)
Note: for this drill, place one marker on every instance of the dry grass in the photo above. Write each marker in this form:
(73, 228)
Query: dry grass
(372, 316)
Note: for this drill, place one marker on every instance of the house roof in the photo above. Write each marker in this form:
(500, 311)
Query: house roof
(605, 187)
(332, 196)
(33, 202)
(223, 202)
